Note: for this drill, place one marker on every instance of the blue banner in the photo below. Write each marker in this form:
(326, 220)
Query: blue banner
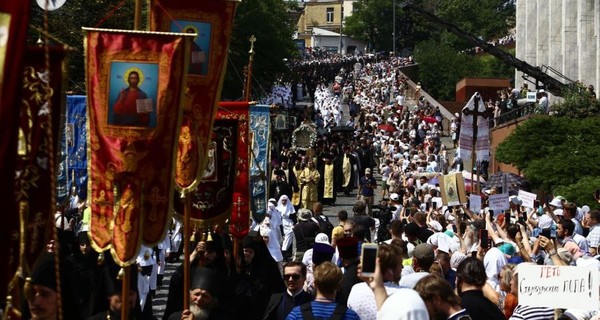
(259, 157)
(72, 170)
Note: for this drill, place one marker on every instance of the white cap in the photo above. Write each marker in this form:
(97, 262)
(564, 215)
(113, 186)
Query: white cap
(556, 202)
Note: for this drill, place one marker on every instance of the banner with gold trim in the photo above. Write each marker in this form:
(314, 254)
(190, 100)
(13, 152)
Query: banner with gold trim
(135, 84)
(14, 21)
(212, 21)
(41, 106)
(260, 130)
(239, 222)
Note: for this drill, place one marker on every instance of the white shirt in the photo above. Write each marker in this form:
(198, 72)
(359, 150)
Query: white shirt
(362, 300)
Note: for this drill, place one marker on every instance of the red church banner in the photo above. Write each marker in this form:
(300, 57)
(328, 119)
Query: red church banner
(223, 192)
(135, 84)
(14, 21)
(212, 22)
(239, 222)
(42, 103)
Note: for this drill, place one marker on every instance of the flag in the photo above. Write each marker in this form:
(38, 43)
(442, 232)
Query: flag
(14, 20)
(475, 114)
(260, 132)
(135, 84)
(212, 22)
(72, 169)
(35, 177)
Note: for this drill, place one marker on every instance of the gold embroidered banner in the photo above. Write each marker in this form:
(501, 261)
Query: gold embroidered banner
(135, 84)
(212, 21)
(14, 20)
(41, 106)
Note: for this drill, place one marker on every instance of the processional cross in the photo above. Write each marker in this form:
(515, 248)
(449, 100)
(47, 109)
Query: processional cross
(475, 113)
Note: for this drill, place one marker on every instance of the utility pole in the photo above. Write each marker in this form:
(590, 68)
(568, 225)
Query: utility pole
(341, 24)
(394, 31)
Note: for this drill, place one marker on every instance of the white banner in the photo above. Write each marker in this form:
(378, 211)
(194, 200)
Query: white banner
(498, 203)
(558, 286)
(528, 198)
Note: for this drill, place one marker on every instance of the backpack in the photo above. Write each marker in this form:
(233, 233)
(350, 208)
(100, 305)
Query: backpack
(338, 313)
(324, 225)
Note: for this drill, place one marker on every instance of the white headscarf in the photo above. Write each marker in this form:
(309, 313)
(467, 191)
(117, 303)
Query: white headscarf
(285, 209)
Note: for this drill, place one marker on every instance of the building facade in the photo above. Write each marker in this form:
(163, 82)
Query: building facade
(561, 34)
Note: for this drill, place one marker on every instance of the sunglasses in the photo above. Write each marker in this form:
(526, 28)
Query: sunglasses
(294, 276)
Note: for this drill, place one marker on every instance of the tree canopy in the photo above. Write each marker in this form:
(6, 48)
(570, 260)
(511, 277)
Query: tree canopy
(556, 154)
(443, 57)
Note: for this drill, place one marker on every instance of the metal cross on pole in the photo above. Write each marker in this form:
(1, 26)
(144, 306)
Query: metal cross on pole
(475, 113)
(251, 60)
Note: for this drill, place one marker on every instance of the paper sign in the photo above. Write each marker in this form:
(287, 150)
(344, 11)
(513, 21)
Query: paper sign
(475, 203)
(558, 286)
(527, 198)
(499, 203)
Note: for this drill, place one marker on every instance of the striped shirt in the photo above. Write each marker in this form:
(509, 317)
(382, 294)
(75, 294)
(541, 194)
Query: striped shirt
(321, 310)
(532, 313)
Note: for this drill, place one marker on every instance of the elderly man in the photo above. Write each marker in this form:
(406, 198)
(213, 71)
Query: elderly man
(203, 301)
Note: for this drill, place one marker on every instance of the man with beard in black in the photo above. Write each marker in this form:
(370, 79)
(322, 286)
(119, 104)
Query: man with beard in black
(207, 254)
(204, 304)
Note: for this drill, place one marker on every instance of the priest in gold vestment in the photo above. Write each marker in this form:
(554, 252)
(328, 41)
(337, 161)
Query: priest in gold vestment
(309, 181)
(329, 183)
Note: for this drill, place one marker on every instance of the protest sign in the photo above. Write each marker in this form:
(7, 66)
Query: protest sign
(528, 198)
(499, 202)
(475, 203)
(558, 286)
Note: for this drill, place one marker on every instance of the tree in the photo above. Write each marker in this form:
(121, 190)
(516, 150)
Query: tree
(268, 21)
(553, 152)
(65, 25)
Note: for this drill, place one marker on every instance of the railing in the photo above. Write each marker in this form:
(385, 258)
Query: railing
(520, 112)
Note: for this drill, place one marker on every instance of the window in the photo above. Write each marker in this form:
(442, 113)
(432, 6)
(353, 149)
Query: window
(329, 15)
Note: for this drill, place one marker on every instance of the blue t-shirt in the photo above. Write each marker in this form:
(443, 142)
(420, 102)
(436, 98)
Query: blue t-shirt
(366, 191)
(321, 310)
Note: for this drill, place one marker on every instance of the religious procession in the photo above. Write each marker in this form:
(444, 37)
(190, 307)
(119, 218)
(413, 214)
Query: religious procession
(344, 191)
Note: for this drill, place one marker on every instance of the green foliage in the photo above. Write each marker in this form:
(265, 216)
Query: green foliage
(553, 152)
(440, 67)
(578, 104)
(65, 24)
(582, 192)
(268, 21)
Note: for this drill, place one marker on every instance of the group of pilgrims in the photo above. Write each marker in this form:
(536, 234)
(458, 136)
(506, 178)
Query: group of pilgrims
(296, 264)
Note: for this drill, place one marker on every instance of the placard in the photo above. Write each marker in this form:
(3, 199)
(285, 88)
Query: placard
(563, 287)
(498, 202)
(528, 198)
(475, 203)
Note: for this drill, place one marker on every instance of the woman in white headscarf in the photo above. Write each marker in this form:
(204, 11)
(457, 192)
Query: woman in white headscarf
(285, 207)
(276, 223)
(268, 233)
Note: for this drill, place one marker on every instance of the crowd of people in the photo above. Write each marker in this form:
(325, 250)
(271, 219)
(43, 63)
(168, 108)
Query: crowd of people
(433, 261)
